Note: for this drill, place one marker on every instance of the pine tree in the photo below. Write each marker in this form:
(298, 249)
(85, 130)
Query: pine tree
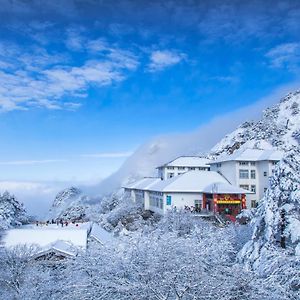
(276, 235)
(12, 212)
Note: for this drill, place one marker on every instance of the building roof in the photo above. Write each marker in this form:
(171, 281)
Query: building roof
(224, 188)
(59, 247)
(100, 234)
(143, 184)
(197, 182)
(188, 161)
(43, 236)
(251, 155)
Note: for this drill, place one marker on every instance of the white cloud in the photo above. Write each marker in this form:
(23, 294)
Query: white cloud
(75, 41)
(161, 59)
(36, 196)
(225, 79)
(165, 148)
(108, 155)
(39, 79)
(30, 162)
(287, 54)
(97, 45)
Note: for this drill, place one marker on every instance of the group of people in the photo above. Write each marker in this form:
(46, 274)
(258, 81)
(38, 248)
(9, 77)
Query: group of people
(58, 222)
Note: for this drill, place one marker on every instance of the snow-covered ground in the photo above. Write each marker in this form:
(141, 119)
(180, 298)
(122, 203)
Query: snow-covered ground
(49, 236)
(45, 235)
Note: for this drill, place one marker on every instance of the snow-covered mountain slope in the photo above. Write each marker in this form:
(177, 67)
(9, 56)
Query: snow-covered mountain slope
(279, 128)
(68, 204)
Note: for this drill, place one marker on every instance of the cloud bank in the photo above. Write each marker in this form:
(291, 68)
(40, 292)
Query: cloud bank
(165, 148)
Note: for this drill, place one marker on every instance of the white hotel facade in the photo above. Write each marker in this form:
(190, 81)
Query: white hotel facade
(216, 186)
(249, 169)
(183, 164)
(198, 189)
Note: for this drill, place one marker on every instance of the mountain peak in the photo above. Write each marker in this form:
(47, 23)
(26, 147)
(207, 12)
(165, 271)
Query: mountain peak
(278, 128)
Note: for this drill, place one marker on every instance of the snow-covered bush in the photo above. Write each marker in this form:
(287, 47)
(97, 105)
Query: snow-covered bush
(12, 212)
(126, 213)
(181, 222)
(160, 264)
(274, 249)
(246, 215)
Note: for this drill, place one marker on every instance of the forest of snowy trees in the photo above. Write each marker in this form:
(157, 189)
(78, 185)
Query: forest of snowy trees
(174, 257)
(177, 258)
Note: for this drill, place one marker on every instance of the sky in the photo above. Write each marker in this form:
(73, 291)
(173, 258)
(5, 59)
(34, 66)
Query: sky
(84, 83)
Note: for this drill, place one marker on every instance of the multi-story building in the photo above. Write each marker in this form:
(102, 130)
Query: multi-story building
(195, 190)
(249, 169)
(181, 165)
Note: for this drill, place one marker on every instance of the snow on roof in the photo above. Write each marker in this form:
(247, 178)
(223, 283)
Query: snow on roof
(197, 182)
(100, 234)
(143, 184)
(60, 247)
(188, 161)
(224, 188)
(45, 236)
(251, 155)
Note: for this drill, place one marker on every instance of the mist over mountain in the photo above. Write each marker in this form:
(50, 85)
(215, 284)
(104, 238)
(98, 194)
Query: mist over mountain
(276, 126)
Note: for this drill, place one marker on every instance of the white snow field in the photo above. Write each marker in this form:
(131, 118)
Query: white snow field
(44, 235)
(55, 237)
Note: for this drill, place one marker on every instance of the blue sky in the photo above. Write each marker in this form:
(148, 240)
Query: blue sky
(84, 83)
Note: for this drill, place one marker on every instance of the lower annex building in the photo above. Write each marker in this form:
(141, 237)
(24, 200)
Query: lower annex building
(194, 190)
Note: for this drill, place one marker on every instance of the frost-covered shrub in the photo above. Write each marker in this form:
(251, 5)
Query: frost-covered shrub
(178, 221)
(275, 244)
(12, 212)
(246, 215)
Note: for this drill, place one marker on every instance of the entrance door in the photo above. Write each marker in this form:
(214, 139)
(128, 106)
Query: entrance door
(198, 205)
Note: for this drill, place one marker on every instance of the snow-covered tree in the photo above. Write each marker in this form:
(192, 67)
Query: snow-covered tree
(164, 262)
(275, 244)
(12, 212)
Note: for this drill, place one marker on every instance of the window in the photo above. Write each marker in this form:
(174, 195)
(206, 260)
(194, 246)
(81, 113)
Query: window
(253, 188)
(244, 186)
(202, 168)
(156, 199)
(253, 175)
(252, 163)
(170, 168)
(244, 174)
(192, 168)
(253, 204)
(170, 175)
(265, 189)
(161, 203)
(265, 174)
(244, 163)
(219, 165)
(169, 200)
(274, 163)
(181, 168)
